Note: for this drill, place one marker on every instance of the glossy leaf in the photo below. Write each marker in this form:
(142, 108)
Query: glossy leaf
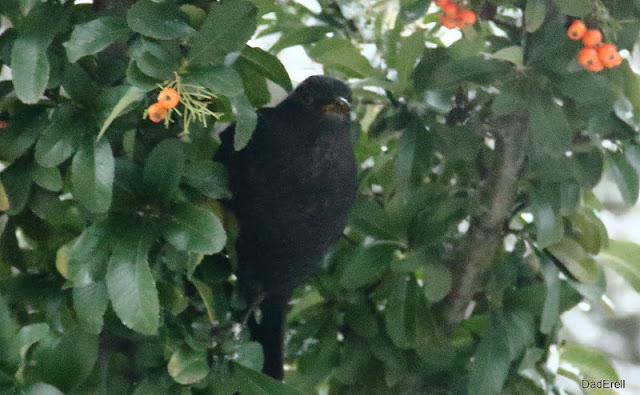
(123, 104)
(16, 181)
(164, 21)
(188, 366)
(59, 140)
(94, 36)
(626, 177)
(92, 172)
(90, 303)
(534, 14)
(227, 28)
(592, 364)
(194, 229)
(131, 287)
(491, 364)
(207, 177)
(163, 169)
(622, 256)
(574, 7)
(367, 264)
(576, 260)
(340, 54)
(266, 65)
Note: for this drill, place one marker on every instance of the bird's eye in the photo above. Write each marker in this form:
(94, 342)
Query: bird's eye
(307, 100)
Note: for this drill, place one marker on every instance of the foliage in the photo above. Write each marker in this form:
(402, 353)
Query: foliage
(474, 228)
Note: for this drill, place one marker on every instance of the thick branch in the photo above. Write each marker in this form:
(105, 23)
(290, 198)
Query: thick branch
(486, 232)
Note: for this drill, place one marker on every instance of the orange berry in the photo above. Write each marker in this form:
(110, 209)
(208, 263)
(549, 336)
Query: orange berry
(3, 124)
(588, 57)
(450, 9)
(467, 17)
(168, 98)
(441, 3)
(157, 112)
(609, 55)
(576, 30)
(595, 66)
(592, 38)
(448, 21)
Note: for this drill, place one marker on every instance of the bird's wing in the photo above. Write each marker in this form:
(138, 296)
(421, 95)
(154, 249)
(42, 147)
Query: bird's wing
(227, 137)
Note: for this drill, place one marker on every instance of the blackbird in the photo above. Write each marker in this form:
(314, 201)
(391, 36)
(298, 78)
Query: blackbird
(293, 185)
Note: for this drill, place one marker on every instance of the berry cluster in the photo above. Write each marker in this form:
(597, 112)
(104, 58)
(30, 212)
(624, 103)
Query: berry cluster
(455, 16)
(167, 99)
(595, 55)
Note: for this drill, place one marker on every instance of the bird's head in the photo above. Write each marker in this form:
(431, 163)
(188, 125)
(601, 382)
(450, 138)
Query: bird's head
(324, 95)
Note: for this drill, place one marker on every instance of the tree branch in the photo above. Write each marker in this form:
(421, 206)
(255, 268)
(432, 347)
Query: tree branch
(486, 232)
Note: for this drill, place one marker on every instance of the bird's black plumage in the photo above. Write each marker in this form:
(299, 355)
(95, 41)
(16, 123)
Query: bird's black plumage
(293, 186)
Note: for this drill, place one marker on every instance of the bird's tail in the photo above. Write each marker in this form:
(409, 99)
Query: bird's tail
(270, 334)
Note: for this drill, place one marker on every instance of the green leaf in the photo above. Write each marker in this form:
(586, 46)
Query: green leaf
(255, 85)
(163, 169)
(90, 303)
(47, 177)
(64, 361)
(21, 133)
(624, 258)
(534, 14)
(30, 335)
(30, 68)
(60, 139)
(29, 63)
(194, 229)
(577, 8)
(92, 172)
(207, 177)
(625, 111)
(548, 127)
(576, 260)
(94, 36)
(246, 121)
(407, 317)
(227, 28)
(367, 264)
(551, 309)
(196, 15)
(163, 21)
(361, 318)
(592, 364)
(4, 198)
(265, 64)
(548, 225)
(588, 230)
(16, 180)
(411, 49)
(41, 389)
(207, 298)
(140, 80)
(248, 354)
(88, 255)
(256, 383)
(492, 359)
(188, 366)
(131, 287)
(300, 36)
(436, 282)
(340, 54)
(227, 81)
(626, 177)
(511, 54)
(123, 105)
(218, 79)
(476, 70)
